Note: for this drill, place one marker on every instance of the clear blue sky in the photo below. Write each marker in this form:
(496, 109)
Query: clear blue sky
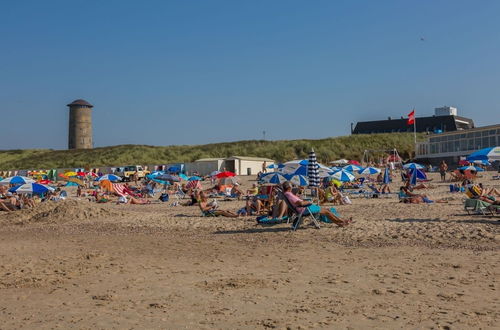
(192, 72)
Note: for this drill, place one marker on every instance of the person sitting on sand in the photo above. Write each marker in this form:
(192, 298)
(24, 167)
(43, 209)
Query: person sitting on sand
(304, 207)
(210, 210)
(333, 195)
(5, 205)
(236, 191)
(253, 191)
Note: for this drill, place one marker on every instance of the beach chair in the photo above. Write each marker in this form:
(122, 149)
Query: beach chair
(297, 217)
(477, 206)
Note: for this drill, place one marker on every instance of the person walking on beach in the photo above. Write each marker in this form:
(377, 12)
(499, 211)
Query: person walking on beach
(443, 167)
(264, 167)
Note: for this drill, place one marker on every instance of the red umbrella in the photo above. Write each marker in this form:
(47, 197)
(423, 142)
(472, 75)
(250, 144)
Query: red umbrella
(81, 174)
(225, 174)
(463, 162)
(354, 162)
(44, 181)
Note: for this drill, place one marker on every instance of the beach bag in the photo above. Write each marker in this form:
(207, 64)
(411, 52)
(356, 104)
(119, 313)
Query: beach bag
(346, 200)
(164, 197)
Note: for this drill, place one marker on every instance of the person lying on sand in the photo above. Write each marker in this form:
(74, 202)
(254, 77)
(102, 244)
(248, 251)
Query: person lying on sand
(406, 196)
(210, 210)
(301, 205)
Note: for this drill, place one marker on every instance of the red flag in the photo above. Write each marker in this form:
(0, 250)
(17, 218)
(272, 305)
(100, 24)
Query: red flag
(411, 118)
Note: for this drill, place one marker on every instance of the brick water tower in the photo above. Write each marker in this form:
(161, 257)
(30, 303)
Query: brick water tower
(80, 125)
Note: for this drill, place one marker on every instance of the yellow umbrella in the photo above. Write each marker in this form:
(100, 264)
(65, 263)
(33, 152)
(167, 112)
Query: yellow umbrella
(70, 173)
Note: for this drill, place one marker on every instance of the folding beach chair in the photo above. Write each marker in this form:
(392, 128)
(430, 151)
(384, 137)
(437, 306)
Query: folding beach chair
(477, 206)
(297, 216)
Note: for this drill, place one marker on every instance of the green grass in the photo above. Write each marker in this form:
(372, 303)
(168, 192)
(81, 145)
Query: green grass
(350, 147)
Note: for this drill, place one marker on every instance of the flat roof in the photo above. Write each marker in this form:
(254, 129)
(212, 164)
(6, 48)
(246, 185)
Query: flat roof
(469, 130)
(251, 158)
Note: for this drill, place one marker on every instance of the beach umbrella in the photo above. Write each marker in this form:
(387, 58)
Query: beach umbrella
(481, 162)
(463, 162)
(17, 180)
(214, 173)
(313, 170)
(174, 169)
(110, 177)
(194, 178)
(71, 173)
(471, 168)
(275, 178)
(354, 162)
(225, 174)
(342, 175)
(297, 179)
(413, 177)
(273, 166)
(228, 181)
(490, 154)
(340, 162)
(75, 180)
(183, 176)
(387, 176)
(31, 188)
(168, 178)
(81, 174)
(369, 171)
(352, 168)
(156, 173)
(412, 166)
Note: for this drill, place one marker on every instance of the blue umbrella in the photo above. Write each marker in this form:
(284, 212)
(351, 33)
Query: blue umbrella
(17, 180)
(31, 188)
(110, 177)
(471, 168)
(352, 168)
(272, 166)
(413, 166)
(156, 173)
(275, 178)
(490, 154)
(194, 178)
(387, 176)
(174, 169)
(413, 178)
(169, 178)
(297, 179)
(369, 171)
(183, 176)
(342, 175)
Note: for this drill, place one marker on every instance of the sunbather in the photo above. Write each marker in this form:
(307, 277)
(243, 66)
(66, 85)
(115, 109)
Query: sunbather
(7, 206)
(210, 210)
(306, 207)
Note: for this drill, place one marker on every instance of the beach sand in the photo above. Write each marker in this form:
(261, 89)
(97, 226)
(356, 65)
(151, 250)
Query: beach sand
(77, 264)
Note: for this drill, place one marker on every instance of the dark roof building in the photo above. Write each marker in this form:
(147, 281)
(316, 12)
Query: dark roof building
(438, 123)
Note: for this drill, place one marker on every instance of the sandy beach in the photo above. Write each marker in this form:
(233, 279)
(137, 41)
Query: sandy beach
(77, 264)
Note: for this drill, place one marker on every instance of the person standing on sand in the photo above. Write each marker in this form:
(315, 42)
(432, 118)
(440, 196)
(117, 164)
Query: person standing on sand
(443, 167)
(264, 167)
(136, 177)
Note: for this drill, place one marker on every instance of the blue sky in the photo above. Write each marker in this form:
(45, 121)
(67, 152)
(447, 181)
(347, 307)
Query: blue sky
(193, 72)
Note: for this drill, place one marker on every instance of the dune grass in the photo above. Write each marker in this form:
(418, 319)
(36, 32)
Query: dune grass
(350, 147)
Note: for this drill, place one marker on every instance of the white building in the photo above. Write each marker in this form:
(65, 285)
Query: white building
(239, 165)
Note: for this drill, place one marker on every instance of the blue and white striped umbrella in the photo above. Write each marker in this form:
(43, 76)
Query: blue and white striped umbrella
(273, 166)
(313, 170)
(110, 177)
(471, 168)
(352, 168)
(275, 178)
(413, 166)
(490, 154)
(31, 188)
(17, 180)
(298, 180)
(369, 171)
(342, 175)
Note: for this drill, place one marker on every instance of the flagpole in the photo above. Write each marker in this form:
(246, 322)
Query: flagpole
(415, 130)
